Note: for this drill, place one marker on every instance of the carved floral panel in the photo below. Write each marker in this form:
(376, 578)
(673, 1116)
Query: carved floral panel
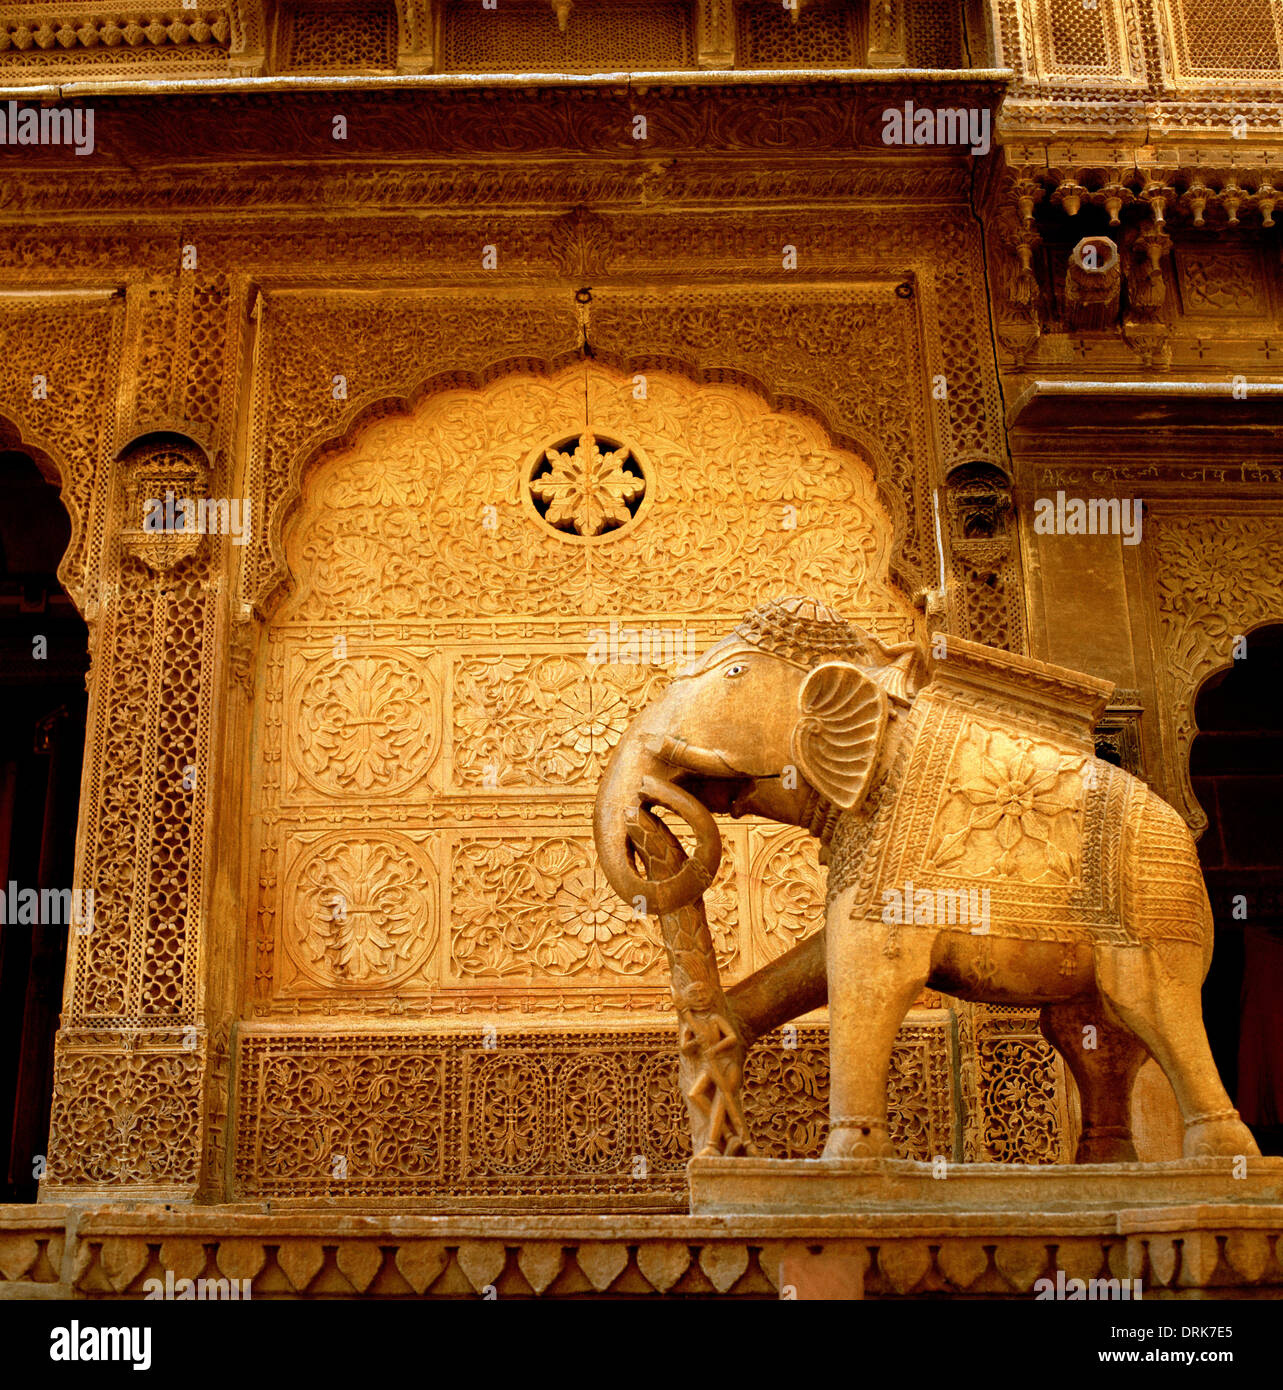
(364, 722)
(362, 910)
(523, 907)
(1013, 811)
(485, 593)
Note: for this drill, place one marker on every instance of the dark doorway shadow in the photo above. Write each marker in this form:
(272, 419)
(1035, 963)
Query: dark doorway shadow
(43, 660)
(1236, 768)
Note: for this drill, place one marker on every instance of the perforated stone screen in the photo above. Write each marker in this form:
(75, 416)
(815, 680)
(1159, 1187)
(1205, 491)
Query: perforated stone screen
(1213, 40)
(598, 38)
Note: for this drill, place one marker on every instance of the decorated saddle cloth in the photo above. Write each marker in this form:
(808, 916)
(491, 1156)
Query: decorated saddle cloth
(994, 795)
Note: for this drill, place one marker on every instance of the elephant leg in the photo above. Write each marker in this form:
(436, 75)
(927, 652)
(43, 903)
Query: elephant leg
(1104, 1072)
(875, 973)
(1157, 994)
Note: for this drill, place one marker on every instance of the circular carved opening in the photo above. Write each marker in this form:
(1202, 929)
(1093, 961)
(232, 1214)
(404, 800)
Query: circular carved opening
(587, 485)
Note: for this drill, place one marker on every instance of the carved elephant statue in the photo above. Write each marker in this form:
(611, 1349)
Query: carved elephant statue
(975, 845)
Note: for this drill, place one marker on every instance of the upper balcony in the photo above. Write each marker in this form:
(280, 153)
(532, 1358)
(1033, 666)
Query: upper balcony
(1138, 72)
(52, 42)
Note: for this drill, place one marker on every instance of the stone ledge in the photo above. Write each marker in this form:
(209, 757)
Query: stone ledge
(1178, 1251)
(748, 1186)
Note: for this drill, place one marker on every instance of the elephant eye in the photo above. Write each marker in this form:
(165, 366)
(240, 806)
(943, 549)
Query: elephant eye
(737, 670)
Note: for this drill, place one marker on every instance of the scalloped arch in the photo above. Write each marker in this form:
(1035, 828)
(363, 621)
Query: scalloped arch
(15, 439)
(1193, 810)
(372, 407)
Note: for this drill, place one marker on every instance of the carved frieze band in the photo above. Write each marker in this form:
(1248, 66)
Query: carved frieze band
(116, 1253)
(484, 1121)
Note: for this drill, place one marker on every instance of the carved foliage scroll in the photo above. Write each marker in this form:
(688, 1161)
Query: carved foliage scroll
(55, 376)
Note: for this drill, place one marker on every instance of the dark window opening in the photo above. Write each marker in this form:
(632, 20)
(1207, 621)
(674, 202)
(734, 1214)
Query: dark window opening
(43, 660)
(1236, 768)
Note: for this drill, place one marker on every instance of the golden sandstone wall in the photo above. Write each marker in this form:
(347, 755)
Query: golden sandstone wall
(349, 937)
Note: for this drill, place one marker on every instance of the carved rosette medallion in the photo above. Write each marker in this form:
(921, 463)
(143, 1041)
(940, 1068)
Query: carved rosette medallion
(366, 725)
(787, 875)
(1013, 812)
(587, 487)
(361, 915)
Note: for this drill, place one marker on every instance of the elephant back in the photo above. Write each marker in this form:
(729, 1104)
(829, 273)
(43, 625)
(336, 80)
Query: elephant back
(994, 785)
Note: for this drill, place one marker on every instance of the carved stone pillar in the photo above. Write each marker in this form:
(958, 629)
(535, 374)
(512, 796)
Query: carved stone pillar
(715, 33)
(416, 49)
(130, 1055)
(888, 47)
(251, 21)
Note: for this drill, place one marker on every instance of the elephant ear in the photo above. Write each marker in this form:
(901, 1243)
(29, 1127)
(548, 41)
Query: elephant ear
(842, 716)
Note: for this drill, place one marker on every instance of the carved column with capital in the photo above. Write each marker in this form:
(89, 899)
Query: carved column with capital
(133, 1056)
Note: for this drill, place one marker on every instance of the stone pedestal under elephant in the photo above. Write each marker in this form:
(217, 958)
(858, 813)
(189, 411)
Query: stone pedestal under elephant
(975, 845)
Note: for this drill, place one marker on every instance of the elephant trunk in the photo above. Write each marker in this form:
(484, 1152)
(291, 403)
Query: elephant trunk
(635, 780)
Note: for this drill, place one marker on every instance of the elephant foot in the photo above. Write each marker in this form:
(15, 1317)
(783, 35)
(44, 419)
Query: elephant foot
(1102, 1145)
(866, 1138)
(1222, 1135)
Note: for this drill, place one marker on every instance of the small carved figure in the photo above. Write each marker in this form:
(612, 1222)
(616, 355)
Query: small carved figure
(975, 844)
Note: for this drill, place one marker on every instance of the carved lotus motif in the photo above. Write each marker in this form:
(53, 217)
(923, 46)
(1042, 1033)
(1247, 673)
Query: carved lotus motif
(1018, 798)
(591, 912)
(592, 718)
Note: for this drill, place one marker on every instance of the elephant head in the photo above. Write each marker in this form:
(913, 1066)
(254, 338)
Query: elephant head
(784, 718)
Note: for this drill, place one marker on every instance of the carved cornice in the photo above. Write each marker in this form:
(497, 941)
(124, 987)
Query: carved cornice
(283, 1254)
(1205, 407)
(274, 118)
(1211, 116)
(386, 187)
(403, 253)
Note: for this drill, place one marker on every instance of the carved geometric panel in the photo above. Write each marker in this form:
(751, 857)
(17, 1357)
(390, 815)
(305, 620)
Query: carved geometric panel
(1223, 283)
(581, 1117)
(342, 38)
(1074, 40)
(601, 36)
(1208, 48)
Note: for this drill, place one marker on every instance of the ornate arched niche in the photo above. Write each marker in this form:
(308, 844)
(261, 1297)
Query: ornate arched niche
(1216, 578)
(483, 593)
